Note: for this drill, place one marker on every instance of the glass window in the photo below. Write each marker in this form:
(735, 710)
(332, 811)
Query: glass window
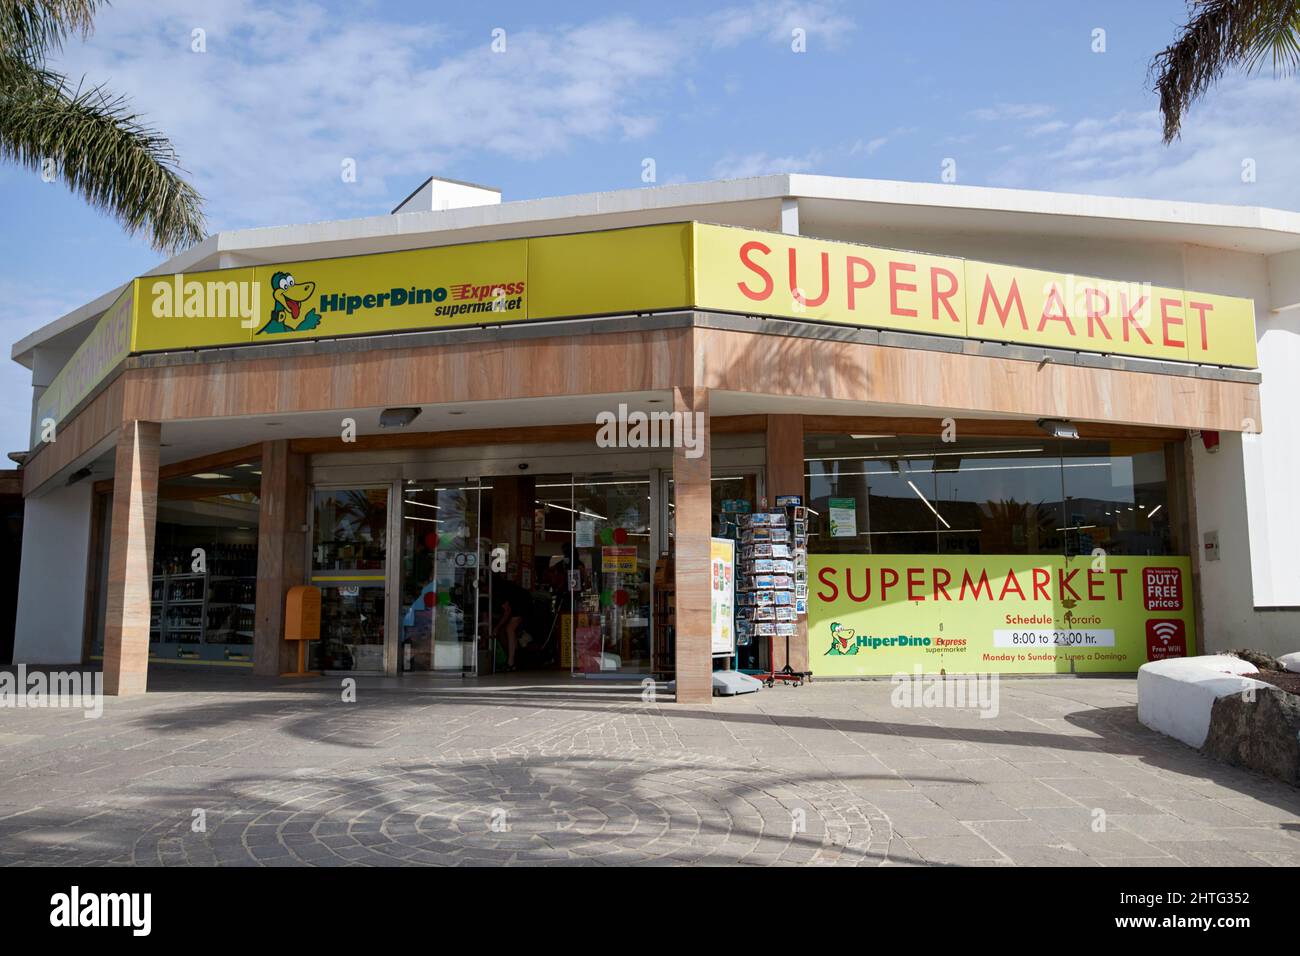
(205, 565)
(1116, 497)
(1002, 496)
(889, 494)
(881, 492)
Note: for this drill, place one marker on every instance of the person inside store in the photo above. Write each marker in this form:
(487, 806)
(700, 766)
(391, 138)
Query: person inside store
(512, 606)
(557, 574)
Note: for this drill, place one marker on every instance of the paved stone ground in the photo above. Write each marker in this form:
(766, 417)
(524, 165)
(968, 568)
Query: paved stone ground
(573, 772)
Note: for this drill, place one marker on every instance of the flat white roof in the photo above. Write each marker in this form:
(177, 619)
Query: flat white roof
(827, 205)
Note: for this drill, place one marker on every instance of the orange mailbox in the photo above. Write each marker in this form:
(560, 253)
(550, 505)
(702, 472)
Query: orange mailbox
(302, 623)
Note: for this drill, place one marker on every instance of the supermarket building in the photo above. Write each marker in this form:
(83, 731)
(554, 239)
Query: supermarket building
(1025, 432)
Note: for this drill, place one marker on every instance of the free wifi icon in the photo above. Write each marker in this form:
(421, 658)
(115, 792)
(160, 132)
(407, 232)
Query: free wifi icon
(1165, 630)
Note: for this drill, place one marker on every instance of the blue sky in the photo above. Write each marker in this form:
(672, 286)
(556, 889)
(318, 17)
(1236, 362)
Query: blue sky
(285, 92)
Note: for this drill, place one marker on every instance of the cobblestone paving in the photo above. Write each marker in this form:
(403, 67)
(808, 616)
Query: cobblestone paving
(586, 773)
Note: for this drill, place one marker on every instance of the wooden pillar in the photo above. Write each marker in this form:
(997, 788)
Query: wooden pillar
(693, 524)
(785, 477)
(281, 553)
(130, 558)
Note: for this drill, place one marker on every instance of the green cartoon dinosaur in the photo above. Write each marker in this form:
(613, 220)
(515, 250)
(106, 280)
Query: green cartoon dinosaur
(289, 297)
(842, 642)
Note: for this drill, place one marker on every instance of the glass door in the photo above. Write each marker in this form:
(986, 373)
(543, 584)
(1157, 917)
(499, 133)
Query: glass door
(613, 560)
(443, 557)
(349, 563)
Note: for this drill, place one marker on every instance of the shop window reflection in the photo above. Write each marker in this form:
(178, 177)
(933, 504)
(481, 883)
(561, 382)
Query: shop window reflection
(1116, 498)
(910, 495)
(204, 577)
(349, 555)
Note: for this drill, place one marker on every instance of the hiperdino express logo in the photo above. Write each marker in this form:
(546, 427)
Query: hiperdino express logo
(845, 642)
(290, 312)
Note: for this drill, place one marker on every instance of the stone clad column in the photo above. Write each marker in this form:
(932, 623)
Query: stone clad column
(130, 558)
(785, 477)
(693, 524)
(281, 553)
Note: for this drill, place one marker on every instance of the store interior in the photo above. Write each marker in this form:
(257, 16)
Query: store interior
(205, 566)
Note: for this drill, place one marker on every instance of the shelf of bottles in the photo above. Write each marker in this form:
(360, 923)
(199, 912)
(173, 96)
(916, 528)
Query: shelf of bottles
(212, 606)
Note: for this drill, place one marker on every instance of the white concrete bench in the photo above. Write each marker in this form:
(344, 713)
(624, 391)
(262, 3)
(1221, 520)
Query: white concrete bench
(1176, 696)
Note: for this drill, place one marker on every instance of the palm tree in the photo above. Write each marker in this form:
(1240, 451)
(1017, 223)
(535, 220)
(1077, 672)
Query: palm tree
(1221, 35)
(97, 146)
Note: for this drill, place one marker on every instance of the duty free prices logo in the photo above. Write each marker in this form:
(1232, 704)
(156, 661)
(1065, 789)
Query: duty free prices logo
(1162, 590)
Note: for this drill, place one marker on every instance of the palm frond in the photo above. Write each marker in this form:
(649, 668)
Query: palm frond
(31, 28)
(1221, 35)
(102, 150)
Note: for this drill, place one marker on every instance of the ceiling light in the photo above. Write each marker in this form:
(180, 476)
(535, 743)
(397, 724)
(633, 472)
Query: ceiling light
(1058, 427)
(209, 475)
(397, 417)
(927, 504)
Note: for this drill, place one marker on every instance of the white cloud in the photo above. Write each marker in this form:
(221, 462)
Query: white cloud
(265, 118)
(734, 166)
(1122, 155)
(1013, 111)
(875, 144)
(775, 21)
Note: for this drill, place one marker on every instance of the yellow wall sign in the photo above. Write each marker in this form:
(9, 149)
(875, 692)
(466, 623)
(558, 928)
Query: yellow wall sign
(655, 268)
(485, 283)
(104, 349)
(742, 270)
(885, 614)
(424, 288)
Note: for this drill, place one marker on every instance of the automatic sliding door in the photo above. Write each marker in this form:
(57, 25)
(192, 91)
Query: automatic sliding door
(613, 558)
(349, 563)
(442, 554)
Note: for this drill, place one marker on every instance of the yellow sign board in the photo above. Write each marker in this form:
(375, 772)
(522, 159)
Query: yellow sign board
(487, 283)
(653, 269)
(482, 283)
(104, 349)
(884, 614)
(621, 271)
(744, 270)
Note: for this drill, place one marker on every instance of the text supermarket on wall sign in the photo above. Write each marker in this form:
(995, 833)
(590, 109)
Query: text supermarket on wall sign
(741, 270)
(656, 268)
(682, 265)
(1032, 614)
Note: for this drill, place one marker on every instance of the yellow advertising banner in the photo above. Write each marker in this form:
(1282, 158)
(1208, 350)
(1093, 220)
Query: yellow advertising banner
(646, 268)
(481, 283)
(884, 614)
(744, 270)
(642, 269)
(741, 270)
(683, 265)
(108, 344)
(1051, 310)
